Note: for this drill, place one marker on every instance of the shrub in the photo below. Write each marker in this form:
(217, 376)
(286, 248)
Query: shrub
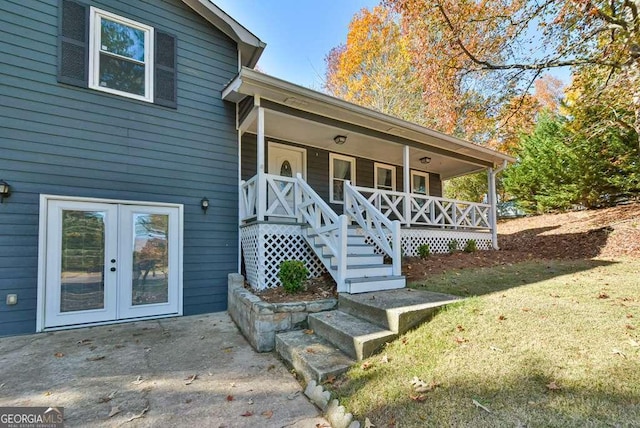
(291, 274)
(453, 246)
(471, 246)
(424, 251)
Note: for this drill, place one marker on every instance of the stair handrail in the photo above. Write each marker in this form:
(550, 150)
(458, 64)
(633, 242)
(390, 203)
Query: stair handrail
(330, 228)
(385, 233)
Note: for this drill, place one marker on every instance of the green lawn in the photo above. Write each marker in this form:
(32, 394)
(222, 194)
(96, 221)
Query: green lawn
(542, 344)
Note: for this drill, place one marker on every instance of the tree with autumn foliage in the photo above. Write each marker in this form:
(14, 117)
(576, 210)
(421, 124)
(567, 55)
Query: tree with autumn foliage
(516, 40)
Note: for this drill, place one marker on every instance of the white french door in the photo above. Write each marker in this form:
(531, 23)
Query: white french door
(108, 261)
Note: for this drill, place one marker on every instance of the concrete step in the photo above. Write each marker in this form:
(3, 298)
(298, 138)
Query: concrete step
(361, 259)
(311, 356)
(376, 283)
(395, 310)
(356, 337)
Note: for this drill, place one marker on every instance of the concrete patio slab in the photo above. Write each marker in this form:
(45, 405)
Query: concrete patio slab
(189, 371)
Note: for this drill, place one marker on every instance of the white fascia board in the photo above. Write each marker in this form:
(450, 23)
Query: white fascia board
(251, 47)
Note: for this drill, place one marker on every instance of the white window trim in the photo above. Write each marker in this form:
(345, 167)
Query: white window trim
(420, 174)
(392, 168)
(94, 53)
(349, 159)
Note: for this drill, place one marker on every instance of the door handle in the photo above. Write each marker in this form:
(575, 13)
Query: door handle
(113, 269)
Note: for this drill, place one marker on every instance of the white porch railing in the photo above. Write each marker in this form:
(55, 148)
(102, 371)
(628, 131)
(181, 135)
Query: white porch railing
(421, 210)
(328, 227)
(384, 232)
(280, 193)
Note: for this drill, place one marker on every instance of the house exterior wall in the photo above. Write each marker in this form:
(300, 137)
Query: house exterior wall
(318, 169)
(64, 140)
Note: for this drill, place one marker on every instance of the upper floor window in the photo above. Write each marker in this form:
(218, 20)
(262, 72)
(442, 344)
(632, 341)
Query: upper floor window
(385, 176)
(341, 169)
(100, 50)
(121, 56)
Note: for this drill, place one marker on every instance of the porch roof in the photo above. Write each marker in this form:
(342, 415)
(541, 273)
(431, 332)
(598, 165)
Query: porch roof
(298, 114)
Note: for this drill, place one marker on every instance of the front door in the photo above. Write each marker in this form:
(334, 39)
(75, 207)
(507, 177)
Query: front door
(285, 161)
(108, 261)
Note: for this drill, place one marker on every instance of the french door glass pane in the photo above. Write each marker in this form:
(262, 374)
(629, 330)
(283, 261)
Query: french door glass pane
(150, 259)
(419, 184)
(82, 265)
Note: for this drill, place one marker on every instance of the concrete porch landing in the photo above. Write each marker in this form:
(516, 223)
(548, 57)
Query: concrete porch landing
(359, 328)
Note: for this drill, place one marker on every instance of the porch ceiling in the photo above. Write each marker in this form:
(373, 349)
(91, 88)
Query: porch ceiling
(311, 118)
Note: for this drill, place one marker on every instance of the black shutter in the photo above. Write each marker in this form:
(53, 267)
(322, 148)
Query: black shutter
(73, 43)
(165, 76)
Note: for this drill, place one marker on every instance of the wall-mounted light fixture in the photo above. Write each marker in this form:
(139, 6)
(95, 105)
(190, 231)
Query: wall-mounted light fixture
(5, 190)
(425, 159)
(204, 204)
(340, 139)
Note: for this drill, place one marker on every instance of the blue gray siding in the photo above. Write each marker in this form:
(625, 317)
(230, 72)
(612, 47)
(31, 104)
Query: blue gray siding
(63, 140)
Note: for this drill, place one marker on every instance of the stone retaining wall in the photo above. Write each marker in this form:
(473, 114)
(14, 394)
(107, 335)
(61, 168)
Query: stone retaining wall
(259, 321)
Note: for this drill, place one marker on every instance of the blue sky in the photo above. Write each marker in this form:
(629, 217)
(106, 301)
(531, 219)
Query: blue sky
(298, 33)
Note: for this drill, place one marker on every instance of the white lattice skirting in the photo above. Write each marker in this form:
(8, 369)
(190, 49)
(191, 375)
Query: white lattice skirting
(438, 240)
(266, 245)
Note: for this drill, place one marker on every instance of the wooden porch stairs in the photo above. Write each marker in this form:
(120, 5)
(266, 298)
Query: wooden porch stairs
(359, 328)
(366, 270)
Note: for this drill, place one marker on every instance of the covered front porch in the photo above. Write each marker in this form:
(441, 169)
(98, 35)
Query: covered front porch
(347, 189)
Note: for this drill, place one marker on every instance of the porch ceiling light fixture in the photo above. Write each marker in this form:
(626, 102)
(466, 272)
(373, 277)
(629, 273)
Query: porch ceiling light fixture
(425, 160)
(340, 139)
(5, 190)
(204, 204)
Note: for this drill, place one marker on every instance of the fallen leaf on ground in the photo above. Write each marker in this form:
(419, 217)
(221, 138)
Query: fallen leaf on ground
(114, 411)
(404, 340)
(308, 331)
(366, 365)
(553, 386)
(247, 414)
(58, 355)
(267, 414)
(477, 404)
(629, 316)
(83, 342)
(138, 380)
(603, 296)
(618, 352)
(557, 295)
(293, 395)
(459, 339)
(271, 367)
(311, 350)
(139, 415)
(384, 359)
(631, 342)
(421, 386)
(459, 328)
(502, 318)
(229, 397)
(96, 358)
(419, 398)
(630, 327)
(189, 380)
(525, 309)
(367, 423)
(108, 397)
(330, 379)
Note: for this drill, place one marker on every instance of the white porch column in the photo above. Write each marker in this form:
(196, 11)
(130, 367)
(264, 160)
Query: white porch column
(492, 200)
(406, 186)
(261, 185)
